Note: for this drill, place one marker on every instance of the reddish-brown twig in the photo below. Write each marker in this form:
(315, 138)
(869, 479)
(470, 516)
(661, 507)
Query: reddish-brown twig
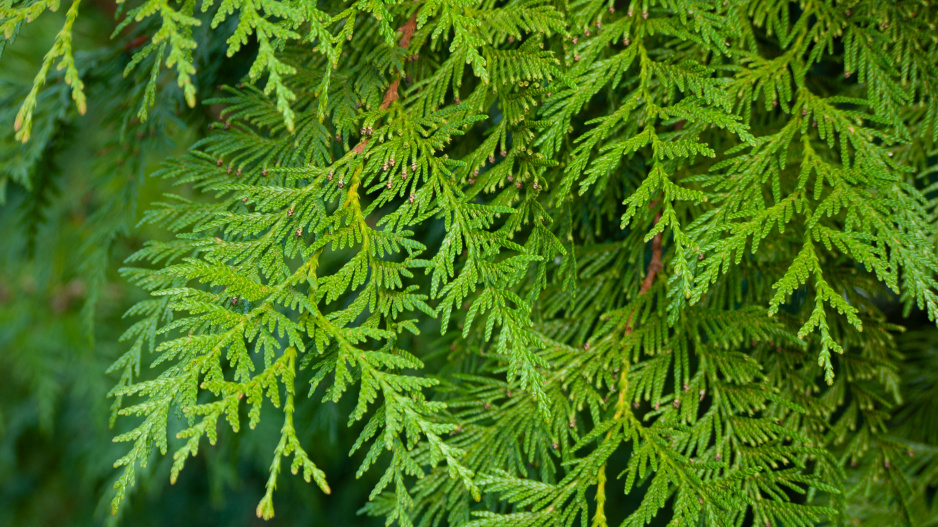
(407, 32)
(654, 265)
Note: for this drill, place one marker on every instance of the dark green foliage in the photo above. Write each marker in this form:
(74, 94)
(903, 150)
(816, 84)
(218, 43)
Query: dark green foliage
(527, 255)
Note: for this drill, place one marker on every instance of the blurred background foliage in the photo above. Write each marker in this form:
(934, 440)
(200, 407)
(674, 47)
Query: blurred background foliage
(70, 200)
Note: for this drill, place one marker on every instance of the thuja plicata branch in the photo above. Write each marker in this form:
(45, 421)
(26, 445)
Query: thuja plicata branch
(621, 406)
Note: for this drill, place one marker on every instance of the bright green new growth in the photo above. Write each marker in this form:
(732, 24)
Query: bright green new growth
(534, 241)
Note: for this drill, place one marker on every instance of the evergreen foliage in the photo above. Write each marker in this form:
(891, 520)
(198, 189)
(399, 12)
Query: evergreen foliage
(536, 255)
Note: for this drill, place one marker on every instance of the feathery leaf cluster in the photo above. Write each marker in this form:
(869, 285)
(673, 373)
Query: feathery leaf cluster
(551, 251)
